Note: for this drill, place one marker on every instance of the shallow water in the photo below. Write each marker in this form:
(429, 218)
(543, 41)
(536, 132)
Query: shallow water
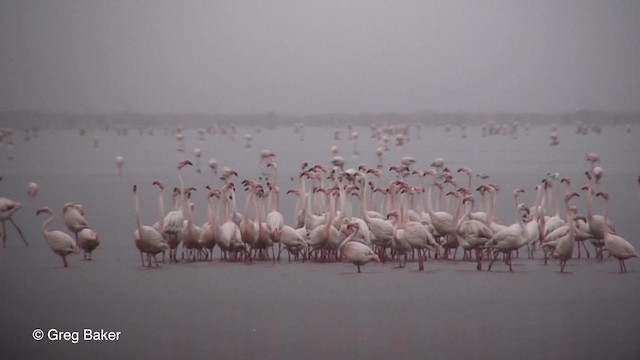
(308, 310)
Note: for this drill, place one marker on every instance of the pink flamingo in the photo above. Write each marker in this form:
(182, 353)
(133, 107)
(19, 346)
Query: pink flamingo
(618, 247)
(7, 208)
(59, 242)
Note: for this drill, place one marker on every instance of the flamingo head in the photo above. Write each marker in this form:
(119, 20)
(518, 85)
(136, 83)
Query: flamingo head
(294, 191)
(570, 196)
(518, 191)
(566, 180)
(468, 198)
(603, 194)
(45, 209)
(213, 192)
(430, 172)
(183, 163)
(465, 170)
(159, 184)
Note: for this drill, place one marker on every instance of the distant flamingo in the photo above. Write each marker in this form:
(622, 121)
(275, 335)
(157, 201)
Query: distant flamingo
(60, 243)
(32, 191)
(119, 164)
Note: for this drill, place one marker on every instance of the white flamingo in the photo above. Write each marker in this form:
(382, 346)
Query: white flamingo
(88, 241)
(73, 217)
(119, 164)
(147, 239)
(32, 191)
(618, 247)
(211, 230)
(7, 208)
(356, 252)
(564, 245)
(60, 242)
(509, 239)
(173, 222)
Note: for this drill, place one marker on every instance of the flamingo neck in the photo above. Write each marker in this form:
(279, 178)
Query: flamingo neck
(45, 224)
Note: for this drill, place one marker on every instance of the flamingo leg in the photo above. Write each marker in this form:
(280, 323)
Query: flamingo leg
(64, 261)
(4, 233)
(19, 232)
(585, 249)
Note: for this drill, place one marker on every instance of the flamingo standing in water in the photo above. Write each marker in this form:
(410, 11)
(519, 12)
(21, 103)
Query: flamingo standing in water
(7, 208)
(509, 239)
(565, 245)
(119, 164)
(60, 242)
(73, 217)
(275, 220)
(148, 240)
(173, 222)
(618, 247)
(211, 230)
(32, 191)
(356, 252)
(88, 241)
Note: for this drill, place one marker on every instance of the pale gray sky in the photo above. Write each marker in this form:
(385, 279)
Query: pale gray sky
(299, 57)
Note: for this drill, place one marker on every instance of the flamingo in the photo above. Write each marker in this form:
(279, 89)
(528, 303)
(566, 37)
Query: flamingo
(597, 223)
(88, 241)
(618, 247)
(60, 242)
(381, 230)
(323, 234)
(210, 235)
(356, 252)
(191, 232)
(7, 208)
(213, 164)
(509, 239)
(274, 220)
(173, 222)
(294, 241)
(565, 245)
(230, 236)
(32, 191)
(73, 217)
(119, 164)
(147, 239)
(473, 234)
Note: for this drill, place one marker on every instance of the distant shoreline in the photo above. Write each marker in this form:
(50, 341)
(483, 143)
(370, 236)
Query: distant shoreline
(28, 119)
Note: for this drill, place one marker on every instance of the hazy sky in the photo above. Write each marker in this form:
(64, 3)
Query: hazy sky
(300, 57)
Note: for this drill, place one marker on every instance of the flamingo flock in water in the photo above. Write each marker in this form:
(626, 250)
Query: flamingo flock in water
(360, 215)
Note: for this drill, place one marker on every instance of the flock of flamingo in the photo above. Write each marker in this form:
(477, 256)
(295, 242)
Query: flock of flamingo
(352, 214)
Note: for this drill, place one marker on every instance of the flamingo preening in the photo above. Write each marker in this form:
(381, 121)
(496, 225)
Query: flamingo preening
(356, 252)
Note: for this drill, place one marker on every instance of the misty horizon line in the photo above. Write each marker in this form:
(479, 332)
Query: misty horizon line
(312, 114)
